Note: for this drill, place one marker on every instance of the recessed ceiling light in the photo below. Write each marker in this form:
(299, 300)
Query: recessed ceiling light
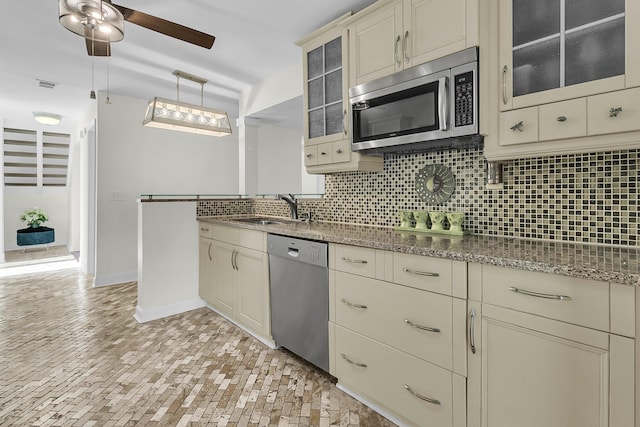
(47, 118)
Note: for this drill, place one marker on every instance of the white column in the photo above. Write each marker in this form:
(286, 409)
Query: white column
(248, 154)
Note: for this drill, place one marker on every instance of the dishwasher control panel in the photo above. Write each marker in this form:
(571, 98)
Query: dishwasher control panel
(307, 251)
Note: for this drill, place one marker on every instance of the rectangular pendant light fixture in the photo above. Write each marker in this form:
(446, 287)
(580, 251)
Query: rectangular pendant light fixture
(175, 115)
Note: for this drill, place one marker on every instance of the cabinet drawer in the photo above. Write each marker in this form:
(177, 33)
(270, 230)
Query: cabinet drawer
(310, 155)
(603, 120)
(539, 293)
(205, 229)
(519, 126)
(395, 314)
(341, 151)
(561, 120)
(385, 375)
(428, 273)
(356, 260)
(252, 239)
(225, 234)
(325, 153)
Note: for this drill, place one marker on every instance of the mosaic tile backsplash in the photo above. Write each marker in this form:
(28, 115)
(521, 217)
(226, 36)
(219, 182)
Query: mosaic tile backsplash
(587, 198)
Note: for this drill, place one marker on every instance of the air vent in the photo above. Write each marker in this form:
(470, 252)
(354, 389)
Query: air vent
(46, 84)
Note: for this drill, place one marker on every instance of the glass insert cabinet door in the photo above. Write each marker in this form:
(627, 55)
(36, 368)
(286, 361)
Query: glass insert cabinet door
(324, 89)
(560, 43)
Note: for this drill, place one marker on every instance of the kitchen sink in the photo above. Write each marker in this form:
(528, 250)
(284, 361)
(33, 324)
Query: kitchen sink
(262, 221)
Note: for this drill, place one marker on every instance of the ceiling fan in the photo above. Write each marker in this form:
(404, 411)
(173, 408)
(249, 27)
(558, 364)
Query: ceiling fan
(101, 23)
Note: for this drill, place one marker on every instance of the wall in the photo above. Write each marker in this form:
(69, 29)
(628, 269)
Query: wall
(274, 90)
(134, 160)
(279, 160)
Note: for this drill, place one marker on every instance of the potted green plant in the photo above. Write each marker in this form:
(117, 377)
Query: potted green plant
(34, 217)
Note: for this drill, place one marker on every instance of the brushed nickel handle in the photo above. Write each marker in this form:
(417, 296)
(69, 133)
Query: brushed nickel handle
(405, 45)
(561, 118)
(309, 156)
(424, 328)
(354, 261)
(613, 112)
(518, 126)
(323, 153)
(358, 364)
(344, 122)
(419, 396)
(420, 273)
(398, 61)
(472, 332)
(352, 304)
(234, 260)
(538, 294)
(209, 252)
(339, 151)
(504, 85)
(204, 229)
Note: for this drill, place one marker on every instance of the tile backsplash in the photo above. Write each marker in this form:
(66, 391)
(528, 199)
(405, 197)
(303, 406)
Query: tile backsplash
(587, 198)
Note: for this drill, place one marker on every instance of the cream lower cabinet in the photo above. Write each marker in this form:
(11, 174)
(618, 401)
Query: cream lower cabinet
(205, 263)
(240, 278)
(400, 348)
(546, 352)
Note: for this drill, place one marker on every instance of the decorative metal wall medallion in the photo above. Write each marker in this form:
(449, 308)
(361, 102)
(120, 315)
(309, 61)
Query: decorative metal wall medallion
(435, 183)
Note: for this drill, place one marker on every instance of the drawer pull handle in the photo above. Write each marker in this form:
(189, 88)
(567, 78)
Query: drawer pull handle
(504, 85)
(472, 333)
(354, 305)
(419, 396)
(209, 252)
(613, 112)
(424, 328)
(339, 151)
(420, 273)
(518, 126)
(204, 229)
(354, 261)
(538, 294)
(309, 156)
(359, 365)
(561, 118)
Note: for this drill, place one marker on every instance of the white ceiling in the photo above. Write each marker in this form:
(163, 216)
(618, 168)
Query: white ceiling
(254, 39)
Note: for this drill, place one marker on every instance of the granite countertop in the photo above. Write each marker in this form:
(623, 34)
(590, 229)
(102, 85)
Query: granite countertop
(603, 263)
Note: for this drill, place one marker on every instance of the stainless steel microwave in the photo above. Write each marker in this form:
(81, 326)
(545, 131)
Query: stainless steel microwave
(427, 107)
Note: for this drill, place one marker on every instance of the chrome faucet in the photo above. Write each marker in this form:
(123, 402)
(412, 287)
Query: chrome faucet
(292, 202)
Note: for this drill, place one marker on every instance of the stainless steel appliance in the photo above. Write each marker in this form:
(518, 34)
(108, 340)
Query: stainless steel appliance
(299, 283)
(426, 107)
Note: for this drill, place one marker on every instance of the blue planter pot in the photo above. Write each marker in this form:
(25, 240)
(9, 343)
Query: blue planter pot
(35, 236)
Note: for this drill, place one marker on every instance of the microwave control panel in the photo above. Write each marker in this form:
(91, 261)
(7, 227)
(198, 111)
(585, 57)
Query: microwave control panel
(463, 86)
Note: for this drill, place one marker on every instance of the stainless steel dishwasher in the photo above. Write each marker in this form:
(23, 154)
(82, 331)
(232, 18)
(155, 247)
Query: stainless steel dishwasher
(299, 283)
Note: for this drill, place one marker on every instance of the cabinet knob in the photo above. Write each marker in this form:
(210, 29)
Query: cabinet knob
(339, 151)
(561, 118)
(309, 156)
(518, 126)
(613, 112)
(323, 153)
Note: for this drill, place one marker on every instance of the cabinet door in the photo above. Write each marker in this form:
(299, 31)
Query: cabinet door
(253, 290)
(432, 29)
(223, 279)
(375, 43)
(538, 372)
(552, 50)
(205, 267)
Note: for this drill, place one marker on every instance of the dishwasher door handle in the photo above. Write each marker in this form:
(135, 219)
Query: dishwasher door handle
(293, 252)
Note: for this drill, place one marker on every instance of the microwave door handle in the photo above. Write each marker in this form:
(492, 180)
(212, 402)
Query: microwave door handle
(443, 108)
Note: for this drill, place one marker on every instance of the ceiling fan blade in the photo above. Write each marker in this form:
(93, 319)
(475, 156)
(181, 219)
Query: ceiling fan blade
(95, 48)
(165, 27)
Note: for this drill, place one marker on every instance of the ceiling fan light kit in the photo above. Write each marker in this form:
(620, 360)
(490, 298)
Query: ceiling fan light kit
(92, 19)
(180, 116)
(45, 118)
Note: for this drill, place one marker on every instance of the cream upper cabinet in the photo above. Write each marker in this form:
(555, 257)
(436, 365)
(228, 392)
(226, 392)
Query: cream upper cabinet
(552, 50)
(574, 62)
(390, 36)
(326, 103)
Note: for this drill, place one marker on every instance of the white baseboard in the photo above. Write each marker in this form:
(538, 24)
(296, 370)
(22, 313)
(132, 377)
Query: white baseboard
(374, 406)
(155, 313)
(115, 279)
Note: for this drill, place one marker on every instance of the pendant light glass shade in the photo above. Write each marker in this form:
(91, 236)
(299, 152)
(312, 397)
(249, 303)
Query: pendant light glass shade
(175, 115)
(93, 19)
